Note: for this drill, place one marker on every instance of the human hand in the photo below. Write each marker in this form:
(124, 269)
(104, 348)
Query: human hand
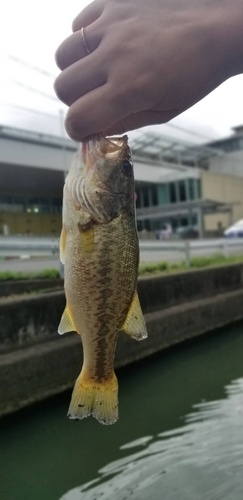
(149, 61)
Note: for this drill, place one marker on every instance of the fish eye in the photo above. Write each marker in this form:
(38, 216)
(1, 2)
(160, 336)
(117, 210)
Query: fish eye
(127, 167)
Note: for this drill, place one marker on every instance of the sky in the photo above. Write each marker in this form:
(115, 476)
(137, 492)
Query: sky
(31, 31)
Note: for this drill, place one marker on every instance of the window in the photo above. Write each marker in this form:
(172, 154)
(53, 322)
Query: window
(191, 188)
(145, 197)
(6, 199)
(154, 195)
(57, 205)
(184, 221)
(138, 200)
(182, 190)
(199, 189)
(172, 192)
(147, 225)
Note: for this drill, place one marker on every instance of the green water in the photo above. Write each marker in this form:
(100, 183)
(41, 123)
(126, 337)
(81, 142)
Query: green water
(179, 437)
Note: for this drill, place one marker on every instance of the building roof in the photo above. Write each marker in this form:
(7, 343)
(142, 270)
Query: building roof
(234, 142)
(183, 208)
(39, 138)
(150, 146)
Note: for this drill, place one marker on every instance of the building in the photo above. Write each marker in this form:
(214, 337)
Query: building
(32, 172)
(194, 191)
(176, 183)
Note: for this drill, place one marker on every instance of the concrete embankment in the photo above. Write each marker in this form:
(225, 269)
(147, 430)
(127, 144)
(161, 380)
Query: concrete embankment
(35, 362)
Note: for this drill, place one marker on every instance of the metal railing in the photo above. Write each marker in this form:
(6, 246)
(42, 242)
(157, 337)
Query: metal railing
(187, 248)
(28, 246)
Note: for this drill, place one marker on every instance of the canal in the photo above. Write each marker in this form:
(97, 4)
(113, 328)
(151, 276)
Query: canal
(179, 437)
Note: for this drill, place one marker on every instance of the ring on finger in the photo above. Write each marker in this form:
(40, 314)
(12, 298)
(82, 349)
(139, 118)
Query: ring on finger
(84, 41)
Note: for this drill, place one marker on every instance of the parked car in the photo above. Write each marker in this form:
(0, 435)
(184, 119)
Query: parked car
(187, 232)
(235, 231)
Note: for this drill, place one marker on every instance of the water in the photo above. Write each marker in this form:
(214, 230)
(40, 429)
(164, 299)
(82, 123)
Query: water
(179, 437)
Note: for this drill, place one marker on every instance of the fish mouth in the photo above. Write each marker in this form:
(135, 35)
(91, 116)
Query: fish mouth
(113, 149)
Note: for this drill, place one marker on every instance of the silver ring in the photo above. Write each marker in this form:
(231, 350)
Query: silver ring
(84, 41)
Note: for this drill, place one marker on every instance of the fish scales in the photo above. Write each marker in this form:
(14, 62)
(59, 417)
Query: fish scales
(104, 289)
(100, 271)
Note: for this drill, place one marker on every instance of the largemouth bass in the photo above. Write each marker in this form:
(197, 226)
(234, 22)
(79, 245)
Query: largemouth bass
(99, 249)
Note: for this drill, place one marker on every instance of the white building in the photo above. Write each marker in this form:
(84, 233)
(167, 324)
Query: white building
(176, 183)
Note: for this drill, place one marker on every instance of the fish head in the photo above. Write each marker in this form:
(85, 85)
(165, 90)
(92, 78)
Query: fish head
(109, 179)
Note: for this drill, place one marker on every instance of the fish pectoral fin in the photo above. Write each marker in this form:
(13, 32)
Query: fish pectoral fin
(66, 323)
(135, 325)
(87, 237)
(63, 238)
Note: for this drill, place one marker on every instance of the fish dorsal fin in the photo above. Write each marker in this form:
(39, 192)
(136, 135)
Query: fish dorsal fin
(63, 238)
(66, 323)
(135, 324)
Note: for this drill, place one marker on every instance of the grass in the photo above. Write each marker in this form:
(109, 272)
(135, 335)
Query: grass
(196, 263)
(45, 274)
(144, 269)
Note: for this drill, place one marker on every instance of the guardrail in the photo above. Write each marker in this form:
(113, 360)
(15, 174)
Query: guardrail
(186, 247)
(20, 246)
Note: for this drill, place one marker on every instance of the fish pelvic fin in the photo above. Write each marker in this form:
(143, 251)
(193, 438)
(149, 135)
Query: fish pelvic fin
(135, 325)
(99, 399)
(66, 323)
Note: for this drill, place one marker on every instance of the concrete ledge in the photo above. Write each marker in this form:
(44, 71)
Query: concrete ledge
(34, 373)
(166, 291)
(13, 287)
(179, 323)
(27, 320)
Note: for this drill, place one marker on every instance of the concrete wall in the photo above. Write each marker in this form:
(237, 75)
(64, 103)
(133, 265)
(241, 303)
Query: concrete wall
(18, 287)
(35, 362)
(228, 163)
(31, 154)
(224, 188)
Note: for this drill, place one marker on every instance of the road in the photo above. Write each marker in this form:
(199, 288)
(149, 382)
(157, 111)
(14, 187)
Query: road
(150, 251)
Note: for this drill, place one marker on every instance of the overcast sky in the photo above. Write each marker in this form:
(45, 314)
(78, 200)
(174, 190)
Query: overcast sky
(29, 35)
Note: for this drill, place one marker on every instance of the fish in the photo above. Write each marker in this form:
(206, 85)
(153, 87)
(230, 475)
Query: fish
(100, 252)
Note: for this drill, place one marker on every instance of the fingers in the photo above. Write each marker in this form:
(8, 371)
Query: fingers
(73, 49)
(141, 119)
(87, 116)
(79, 79)
(88, 15)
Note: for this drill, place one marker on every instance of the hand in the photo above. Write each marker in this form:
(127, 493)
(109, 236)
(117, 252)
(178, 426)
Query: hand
(149, 61)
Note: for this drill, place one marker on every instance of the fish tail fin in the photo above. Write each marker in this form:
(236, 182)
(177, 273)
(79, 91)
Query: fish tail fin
(99, 399)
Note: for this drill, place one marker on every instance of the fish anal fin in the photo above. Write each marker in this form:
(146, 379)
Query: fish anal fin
(63, 238)
(135, 324)
(99, 399)
(66, 323)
